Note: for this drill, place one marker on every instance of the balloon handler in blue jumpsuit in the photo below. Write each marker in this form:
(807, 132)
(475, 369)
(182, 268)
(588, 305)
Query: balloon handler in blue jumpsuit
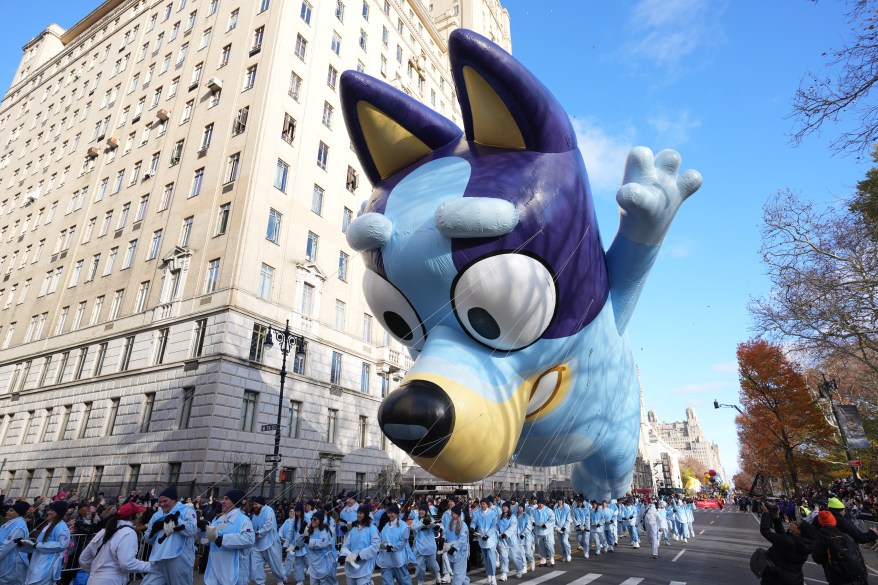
(13, 562)
(582, 525)
(231, 539)
(360, 549)
(485, 529)
(457, 546)
(392, 554)
(425, 530)
(563, 522)
(49, 547)
(320, 544)
(292, 532)
(597, 528)
(172, 537)
(526, 537)
(267, 548)
(544, 532)
(508, 545)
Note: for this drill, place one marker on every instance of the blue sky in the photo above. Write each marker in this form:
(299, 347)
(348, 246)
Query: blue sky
(713, 79)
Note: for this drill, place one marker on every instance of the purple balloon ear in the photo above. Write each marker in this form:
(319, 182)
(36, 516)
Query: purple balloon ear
(389, 130)
(502, 103)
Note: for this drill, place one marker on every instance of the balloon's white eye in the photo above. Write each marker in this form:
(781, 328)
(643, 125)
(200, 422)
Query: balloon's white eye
(394, 311)
(505, 301)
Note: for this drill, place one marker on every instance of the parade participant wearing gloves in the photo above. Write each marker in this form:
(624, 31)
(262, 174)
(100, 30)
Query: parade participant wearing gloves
(320, 545)
(267, 548)
(172, 537)
(360, 549)
(544, 528)
(649, 519)
(231, 539)
(628, 515)
(485, 529)
(111, 556)
(446, 561)
(392, 554)
(457, 546)
(13, 562)
(526, 537)
(49, 548)
(663, 523)
(582, 525)
(563, 522)
(292, 533)
(348, 515)
(597, 528)
(425, 530)
(508, 545)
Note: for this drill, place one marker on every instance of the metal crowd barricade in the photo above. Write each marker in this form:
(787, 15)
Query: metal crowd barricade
(78, 542)
(865, 525)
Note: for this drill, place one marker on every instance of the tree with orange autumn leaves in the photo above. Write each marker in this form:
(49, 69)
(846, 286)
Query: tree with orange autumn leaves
(783, 430)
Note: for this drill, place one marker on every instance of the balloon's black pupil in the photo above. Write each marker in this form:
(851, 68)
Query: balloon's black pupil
(483, 323)
(398, 326)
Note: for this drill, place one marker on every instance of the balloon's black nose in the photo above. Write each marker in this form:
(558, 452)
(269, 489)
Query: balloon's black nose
(418, 417)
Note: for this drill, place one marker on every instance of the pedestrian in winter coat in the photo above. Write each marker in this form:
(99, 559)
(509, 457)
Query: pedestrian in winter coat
(789, 550)
(821, 555)
(111, 556)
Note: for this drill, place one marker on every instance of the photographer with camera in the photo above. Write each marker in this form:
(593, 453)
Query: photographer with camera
(789, 548)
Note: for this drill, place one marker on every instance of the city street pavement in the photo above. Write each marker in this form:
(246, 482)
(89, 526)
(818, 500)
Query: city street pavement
(719, 553)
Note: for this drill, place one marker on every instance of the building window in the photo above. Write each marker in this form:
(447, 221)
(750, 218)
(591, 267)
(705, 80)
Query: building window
(332, 77)
(186, 407)
(83, 424)
(133, 477)
(362, 432)
(322, 155)
(212, 281)
(360, 481)
(353, 179)
(240, 123)
(311, 247)
(307, 299)
(347, 216)
(148, 405)
(335, 44)
(257, 342)
(317, 200)
(161, 346)
(288, 134)
(272, 233)
(294, 416)
(155, 244)
(99, 360)
(248, 411)
(142, 297)
(301, 47)
(327, 114)
(280, 178)
(250, 78)
(263, 5)
(116, 307)
(343, 266)
(198, 339)
(127, 350)
(331, 424)
(306, 12)
(266, 276)
(232, 167)
(295, 89)
(186, 231)
(222, 222)
(197, 181)
(365, 376)
(363, 39)
(167, 195)
(174, 473)
(335, 370)
(225, 56)
(111, 416)
(340, 309)
(339, 10)
(233, 20)
(367, 327)
(258, 36)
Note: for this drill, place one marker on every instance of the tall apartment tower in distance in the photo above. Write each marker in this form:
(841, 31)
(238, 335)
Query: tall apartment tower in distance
(176, 178)
(688, 438)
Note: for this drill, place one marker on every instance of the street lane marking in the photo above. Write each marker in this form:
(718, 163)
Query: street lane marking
(679, 554)
(545, 577)
(815, 580)
(700, 533)
(873, 571)
(711, 521)
(632, 581)
(585, 579)
(678, 583)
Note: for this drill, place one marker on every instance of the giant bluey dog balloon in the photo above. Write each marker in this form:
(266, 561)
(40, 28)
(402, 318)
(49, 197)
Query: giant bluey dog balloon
(483, 257)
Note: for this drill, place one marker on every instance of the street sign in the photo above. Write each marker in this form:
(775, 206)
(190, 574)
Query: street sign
(856, 463)
(272, 458)
(271, 427)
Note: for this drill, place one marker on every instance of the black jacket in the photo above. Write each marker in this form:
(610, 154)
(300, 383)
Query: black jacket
(844, 524)
(787, 552)
(821, 556)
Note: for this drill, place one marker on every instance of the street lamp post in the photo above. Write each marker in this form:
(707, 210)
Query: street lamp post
(286, 340)
(825, 390)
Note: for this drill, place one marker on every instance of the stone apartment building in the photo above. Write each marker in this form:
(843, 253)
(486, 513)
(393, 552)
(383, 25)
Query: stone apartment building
(176, 178)
(687, 437)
